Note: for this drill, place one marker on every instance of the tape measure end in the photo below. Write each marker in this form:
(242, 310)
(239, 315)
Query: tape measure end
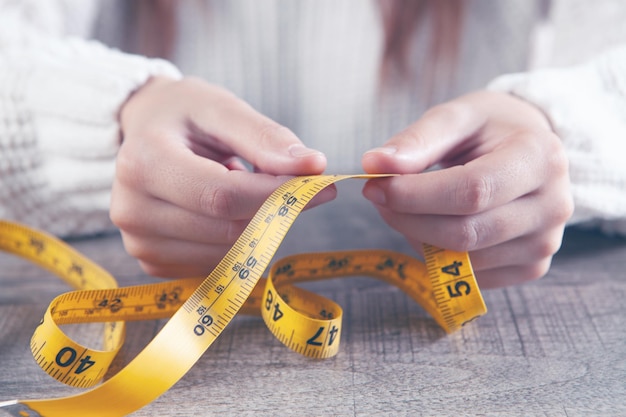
(17, 409)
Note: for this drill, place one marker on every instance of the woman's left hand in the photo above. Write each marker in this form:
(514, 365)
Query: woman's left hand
(502, 192)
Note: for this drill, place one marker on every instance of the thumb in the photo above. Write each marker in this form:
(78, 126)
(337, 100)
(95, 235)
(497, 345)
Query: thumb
(435, 136)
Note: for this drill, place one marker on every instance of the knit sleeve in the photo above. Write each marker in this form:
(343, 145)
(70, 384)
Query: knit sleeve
(586, 106)
(59, 133)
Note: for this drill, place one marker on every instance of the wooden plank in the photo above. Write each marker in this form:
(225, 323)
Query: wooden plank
(556, 347)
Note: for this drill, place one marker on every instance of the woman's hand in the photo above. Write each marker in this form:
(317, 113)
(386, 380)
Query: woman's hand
(502, 193)
(182, 195)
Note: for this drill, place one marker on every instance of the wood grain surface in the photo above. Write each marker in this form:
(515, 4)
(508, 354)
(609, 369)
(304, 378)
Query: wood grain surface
(555, 347)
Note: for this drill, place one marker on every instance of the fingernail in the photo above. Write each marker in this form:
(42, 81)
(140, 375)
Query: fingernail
(375, 194)
(298, 150)
(387, 150)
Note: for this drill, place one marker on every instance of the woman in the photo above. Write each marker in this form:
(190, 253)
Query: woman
(335, 87)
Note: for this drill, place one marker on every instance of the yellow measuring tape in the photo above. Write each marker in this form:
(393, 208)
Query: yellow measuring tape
(200, 309)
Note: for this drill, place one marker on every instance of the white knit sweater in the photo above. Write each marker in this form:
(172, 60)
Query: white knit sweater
(311, 66)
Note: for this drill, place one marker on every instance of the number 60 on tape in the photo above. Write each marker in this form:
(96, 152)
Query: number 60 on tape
(201, 308)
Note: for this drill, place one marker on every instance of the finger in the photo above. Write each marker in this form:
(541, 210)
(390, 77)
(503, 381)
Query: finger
(512, 275)
(521, 251)
(517, 167)
(266, 144)
(168, 257)
(441, 129)
(192, 182)
(174, 270)
(166, 220)
(501, 274)
(486, 229)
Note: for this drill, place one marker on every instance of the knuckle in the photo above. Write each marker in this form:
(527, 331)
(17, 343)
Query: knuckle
(125, 214)
(548, 246)
(136, 248)
(118, 216)
(121, 215)
(558, 160)
(269, 131)
(466, 236)
(564, 211)
(559, 163)
(128, 166)
(561, 208)
(217, 201)
(537, 270)
(474, 194)
(555, 156)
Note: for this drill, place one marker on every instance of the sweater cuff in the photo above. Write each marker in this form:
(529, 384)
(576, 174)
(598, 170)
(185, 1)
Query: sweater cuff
(586, 106)
(63, 98)
(85, 83)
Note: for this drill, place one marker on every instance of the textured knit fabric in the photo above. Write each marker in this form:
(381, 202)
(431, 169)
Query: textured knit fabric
(59, 100)
(310, 65)
(586, 106)
(313, 66)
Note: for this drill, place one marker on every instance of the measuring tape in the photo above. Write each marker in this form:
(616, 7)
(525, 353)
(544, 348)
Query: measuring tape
(200, 309)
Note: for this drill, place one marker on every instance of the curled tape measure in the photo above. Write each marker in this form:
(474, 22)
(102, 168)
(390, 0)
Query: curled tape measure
(200, 309)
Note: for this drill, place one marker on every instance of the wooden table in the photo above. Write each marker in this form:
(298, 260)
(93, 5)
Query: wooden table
(556, 347)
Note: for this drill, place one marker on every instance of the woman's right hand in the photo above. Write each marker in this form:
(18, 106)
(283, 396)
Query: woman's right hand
(181, 194)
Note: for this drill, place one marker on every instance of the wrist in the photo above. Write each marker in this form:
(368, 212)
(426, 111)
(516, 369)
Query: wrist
(130, 109)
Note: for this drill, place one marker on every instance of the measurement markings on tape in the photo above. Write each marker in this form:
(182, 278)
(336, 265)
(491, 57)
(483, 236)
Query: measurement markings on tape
(200, 309)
